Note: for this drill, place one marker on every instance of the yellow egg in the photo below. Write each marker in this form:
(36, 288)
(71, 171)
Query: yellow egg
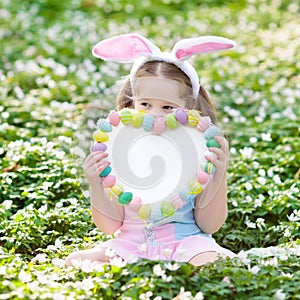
(100, 136)
(137, 119)
(193, 117)
(195, 187)
(116, 191)
(144, 211)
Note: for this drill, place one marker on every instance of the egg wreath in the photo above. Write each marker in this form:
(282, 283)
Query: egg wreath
(157, 163)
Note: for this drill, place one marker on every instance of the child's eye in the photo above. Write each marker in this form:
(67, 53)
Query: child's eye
(168, 107)
(146, 105)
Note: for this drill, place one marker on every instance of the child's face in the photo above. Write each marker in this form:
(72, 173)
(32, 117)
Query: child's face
(157, 95)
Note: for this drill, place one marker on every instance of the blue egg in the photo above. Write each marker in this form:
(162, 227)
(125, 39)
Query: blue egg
(211, 132)
(148, 122)
(104, 125)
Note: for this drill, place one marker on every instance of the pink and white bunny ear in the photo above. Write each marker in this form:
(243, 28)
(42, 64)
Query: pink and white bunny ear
(124, 48)
(188, 47)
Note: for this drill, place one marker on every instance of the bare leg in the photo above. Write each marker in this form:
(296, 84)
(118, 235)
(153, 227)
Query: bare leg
(96, 254)
(203, 258)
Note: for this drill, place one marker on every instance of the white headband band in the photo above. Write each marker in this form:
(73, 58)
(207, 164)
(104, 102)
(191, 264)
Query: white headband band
(136, 48)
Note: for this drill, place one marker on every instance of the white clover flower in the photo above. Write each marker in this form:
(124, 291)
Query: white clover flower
(199, 296)
(287, 232)
(260, 223)
(87, 284)
(280, 295)
(157, 270)
(3, 270)
(254, 270)
(41, 258)
(146, 296)
(246, 152)
(184, 295)
(248, 186)
(117, 261)
(249, 223)
(262, 180)
(257, 203)
(7, 204)
(266, 137)
(172, 267)
(248, 199)
(262, 173)
(24, 277)
(277, 179)
(58, 262)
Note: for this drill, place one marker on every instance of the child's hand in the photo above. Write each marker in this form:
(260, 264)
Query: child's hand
(221, 157)
(94, 165)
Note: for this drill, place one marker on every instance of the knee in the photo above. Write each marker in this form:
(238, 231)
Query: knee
(204, 258)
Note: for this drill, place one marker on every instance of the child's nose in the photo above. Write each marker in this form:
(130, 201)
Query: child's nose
(156, 111)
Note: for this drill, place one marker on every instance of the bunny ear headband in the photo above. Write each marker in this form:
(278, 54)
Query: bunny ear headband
(135, 48)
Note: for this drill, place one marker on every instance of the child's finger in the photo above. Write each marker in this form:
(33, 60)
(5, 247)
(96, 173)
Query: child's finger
(95, 157)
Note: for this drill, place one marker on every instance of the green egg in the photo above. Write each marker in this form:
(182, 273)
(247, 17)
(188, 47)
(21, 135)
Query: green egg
(125, 198)
(171, 121)
(167, 209)
(126, 116)
(212, 143)
(105, 172)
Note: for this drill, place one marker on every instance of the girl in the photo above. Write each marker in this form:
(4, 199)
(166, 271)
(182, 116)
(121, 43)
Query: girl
(158, 83)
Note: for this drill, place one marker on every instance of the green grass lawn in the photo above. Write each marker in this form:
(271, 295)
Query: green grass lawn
(48, 77)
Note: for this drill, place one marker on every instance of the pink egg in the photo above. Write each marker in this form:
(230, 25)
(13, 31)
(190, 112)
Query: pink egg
(135, 203)
(203, 123)
(109, 181)
(159, 125)
(202, 177)
(177, 201)
(114, 118)
(181, 116)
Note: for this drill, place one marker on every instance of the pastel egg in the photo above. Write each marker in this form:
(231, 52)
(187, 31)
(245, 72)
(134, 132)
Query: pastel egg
(100, 136)
(208, 167)
(98, 147)
(167, 209)
(144, 211)
(195, 187)
(125, 198)
(116, 190)
(104, 125)
(148, 122)
(181, 116)
(159, 125)
(203, 123)
(171, 121)
(137, 119)
(177, 202)
(212, 143)
(193, 117)
(114, 118)
(135, 204)
(105, 172)
(211, 132)
(202, 177)
(109, 181)
(126, 116)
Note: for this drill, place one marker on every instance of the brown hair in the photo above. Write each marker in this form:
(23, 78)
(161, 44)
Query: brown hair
(169, 71)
